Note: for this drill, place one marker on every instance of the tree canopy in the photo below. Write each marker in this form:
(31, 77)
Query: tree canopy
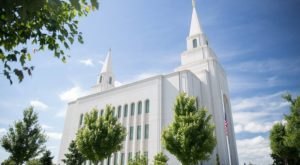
(73, 157)
(138, 160)
(190, 136)
(160, 159)
(25, 139)
(100, 136)
(46, 158)
(46, 24)
(284, 138)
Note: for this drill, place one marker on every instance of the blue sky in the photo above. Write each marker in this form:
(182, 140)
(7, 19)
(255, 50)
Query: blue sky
(257, 43)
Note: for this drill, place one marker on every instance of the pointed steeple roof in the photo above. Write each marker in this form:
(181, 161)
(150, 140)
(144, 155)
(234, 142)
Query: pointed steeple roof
(195, 27)
(107, 66)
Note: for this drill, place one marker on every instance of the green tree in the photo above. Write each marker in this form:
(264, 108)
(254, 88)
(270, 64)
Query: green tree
(34, 162)
(190, 136)
(100, 136)
(74, 157)
(160, 159)
(46, 158)
(284, 138)
(138, 160)
(8, 162)
(26, 139)
(46, 24)
(292, 138)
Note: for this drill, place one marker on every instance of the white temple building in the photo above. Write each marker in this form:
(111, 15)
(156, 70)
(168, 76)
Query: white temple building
(145, 107)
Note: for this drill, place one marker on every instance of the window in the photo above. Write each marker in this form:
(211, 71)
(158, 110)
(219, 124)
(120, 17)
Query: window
(100, 79)
(139, 107)
(129, 156)
(138, 134)
(113, 111)
(131, 133)
(122, 158)
(119, 111)
(137, 154)
(116, 159)
(195, 43)
(125, 110)
(146, 133)
(81, 120)
(147, 106)
(101, 112)
(108, 160)
(146, 155)
(132, 109)
(110, 80)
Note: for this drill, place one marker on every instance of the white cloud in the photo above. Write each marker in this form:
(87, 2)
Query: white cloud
(253, 127)
(258, 113)
(118, 83)
(146, 75)
(46, 127)
(2, 131)
(87, 62)
(39, 105)
(255, 150)
(54, 135)
(72, 94)
(62, 113)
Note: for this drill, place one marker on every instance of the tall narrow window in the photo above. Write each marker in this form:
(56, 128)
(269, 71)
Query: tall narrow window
(132, 109)
(101, 112)
(129, 156)
(138, 132)
(80, 120)
(146, 155)
(119, 111)
(110, 80)
(122, 158)
(125, 110)
(131, 133)
(146, 133)
(108, 160)
(139, 107)
(116, 159)
(147, 106)
(195, 43)
(100, 79)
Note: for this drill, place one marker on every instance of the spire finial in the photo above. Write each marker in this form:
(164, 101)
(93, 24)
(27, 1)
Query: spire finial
(194, 3)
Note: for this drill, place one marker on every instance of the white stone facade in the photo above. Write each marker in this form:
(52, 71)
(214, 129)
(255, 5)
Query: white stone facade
(199, 75)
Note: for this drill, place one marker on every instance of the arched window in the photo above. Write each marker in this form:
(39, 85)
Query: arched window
(139, 107)
(132, 109)
(119, 111)
(125, 110)
(81, 120)
(147, 106)
(195, 44)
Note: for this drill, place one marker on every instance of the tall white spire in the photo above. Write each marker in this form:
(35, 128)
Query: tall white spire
(195, 27)
(106, 78)
(107, 67)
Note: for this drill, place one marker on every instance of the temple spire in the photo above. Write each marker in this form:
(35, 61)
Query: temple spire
(107, 63)
(195, 27)
(106, 77)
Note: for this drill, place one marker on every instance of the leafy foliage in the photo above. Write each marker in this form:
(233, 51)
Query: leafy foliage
(138, 160)
(284, 138)
(190, 137)
(51, 25)
(74, 157)
(100, 136)
(160, 159)
(25, 140)
(46, 158)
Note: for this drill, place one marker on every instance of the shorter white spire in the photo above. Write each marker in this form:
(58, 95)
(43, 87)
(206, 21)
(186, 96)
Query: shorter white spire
(107, 66)
(195, 27)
